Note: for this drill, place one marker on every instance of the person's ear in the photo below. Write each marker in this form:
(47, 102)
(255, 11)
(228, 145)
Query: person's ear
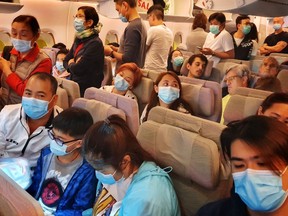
(188, 66)
(259, 112)
(156, 88)
(89, 23)
(125, 162)
(54, 100)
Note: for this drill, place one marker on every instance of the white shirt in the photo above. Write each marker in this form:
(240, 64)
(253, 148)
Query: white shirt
(196, 38)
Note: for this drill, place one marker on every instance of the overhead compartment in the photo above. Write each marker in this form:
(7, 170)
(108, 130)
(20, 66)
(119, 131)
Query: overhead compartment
(10, 6)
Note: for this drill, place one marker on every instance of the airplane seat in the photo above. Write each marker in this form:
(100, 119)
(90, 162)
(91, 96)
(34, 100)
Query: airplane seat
(190, 145)
(255, 64)
(71, 87)
(128, 105)
(151, 74)
(107, 80)
(187, 54)
(245, 102)
(143, 92)
(98, 110)
(15, 201)
(283, 78)
(207, 73)
(62, 100)
(215, 87)
(51, 52)
(283, 56)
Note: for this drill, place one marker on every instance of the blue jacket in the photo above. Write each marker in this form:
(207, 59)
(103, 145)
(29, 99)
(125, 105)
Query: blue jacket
(151, 192)
(79, 193)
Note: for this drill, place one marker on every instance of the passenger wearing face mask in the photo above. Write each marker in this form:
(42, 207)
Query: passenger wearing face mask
(24, 127)
(277, 41)
(133, 41)
(58, 69)
(128, 76)
(244, 45)
(22, 61)
(219, 43)
(175, 61)
(130, 182)
(257, 150)
(85, 60)
(63, 182)
(167, 93)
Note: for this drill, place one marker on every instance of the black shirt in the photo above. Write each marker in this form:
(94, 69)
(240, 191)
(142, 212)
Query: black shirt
(273, 39)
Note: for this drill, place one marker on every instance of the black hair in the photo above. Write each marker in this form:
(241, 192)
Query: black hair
(278, 97)
(46, 76)
(131, 3)
(240, 18)
(30, 21)
(201, 56)
(220, 17)
(157, 10)
(62, 51)
(59, 46)
(90, 14)
(159, 2)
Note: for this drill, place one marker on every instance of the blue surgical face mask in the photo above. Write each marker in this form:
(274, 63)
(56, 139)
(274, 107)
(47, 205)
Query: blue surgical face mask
(57, 149)
(277, 26)
(123, 18)
(35, 108)
(59, 65)
(120, 83)
(105, 178)
(21, 45)
(246, 29)
(168, 94)
(214, 29)
(178, 61)
(79, 24)
(260, 190)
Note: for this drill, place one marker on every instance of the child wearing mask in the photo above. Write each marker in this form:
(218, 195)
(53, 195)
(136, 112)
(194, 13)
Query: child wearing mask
(63, 180)
(59, 70)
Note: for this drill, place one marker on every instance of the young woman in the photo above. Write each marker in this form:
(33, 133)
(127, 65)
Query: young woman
(85, 60)
(175, 61)
(130, 183)
(128, 76)
(24, 59)
(167, 93)
(257, 148)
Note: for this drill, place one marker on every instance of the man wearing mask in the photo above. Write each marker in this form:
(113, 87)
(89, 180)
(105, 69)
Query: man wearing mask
(133, 42)
(244, 46)
(277, 41)
(218, 44)
(24, 127)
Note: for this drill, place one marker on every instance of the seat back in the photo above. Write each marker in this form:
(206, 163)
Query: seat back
(151, 74)
(107, 71)
(283, 77)
(190, 145)
(71, 87)
(128, 105)
(245, 102)
(63, 100)
(14, 201)
(216, 101)
(207, 73)
(143, 92)
(98, 110)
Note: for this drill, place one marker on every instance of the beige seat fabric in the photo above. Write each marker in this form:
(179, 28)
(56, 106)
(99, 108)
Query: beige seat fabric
(128, 105)
(151, 74)
(63, 100)
(191, 146)
(207, 73)
(14, 201)
(143, 92)
(99, 110)
(216, 101)
(245, 102)
(283, 77)
(71, 87)
(107, 80)
(51, 52)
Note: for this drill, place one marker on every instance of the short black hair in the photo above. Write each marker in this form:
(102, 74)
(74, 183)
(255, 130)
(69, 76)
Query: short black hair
(157, 10)
(240, 18)
(62, 51)
(277, 97)
(73, 121)
(201, 56)
(90, 14)
(59, 46)
(220, 17)
(49, 77)
(30, 21)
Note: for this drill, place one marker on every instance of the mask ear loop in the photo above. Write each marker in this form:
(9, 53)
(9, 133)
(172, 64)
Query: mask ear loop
(282, 173)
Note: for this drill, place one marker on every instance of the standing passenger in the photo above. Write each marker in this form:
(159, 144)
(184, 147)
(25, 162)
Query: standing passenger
(24, 59)
(85, 60)
(159, 40)
(133, 42)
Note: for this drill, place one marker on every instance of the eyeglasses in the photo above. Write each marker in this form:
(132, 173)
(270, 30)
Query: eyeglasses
(230, 79)
(78, 16)
(58, 141)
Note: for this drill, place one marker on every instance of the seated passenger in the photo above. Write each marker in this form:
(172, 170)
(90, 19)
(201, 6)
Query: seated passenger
(63, 182)
(272, 84)
(175, 61)
(257, 149)
(218, 44)
(196, 66)
(24, 127)
(130, 183)
(128, 76)
(275, 106)
(24, 59)
(59, 46)
(59, 70)
(167, 93)
(269, 67)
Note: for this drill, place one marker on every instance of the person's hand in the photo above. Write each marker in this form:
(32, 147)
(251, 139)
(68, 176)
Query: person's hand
(71, 61)
(207, 51)
(5, 66)
(108, 50)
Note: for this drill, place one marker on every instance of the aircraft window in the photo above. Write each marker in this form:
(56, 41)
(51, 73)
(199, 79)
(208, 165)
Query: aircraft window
(111, 37)
(177, 40)
(4, 40)
(46, 39)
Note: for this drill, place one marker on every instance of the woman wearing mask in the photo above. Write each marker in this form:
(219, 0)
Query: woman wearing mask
(128, 76)
(24, 59)
(130, 183)
(85, 60)
(167, 93)
(257, 149)
(175, 61)
(219, 43)
(59, 69)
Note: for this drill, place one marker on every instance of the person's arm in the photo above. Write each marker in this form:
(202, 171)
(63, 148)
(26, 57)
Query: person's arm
(17, 84)
(223, 55)
(275, 49)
